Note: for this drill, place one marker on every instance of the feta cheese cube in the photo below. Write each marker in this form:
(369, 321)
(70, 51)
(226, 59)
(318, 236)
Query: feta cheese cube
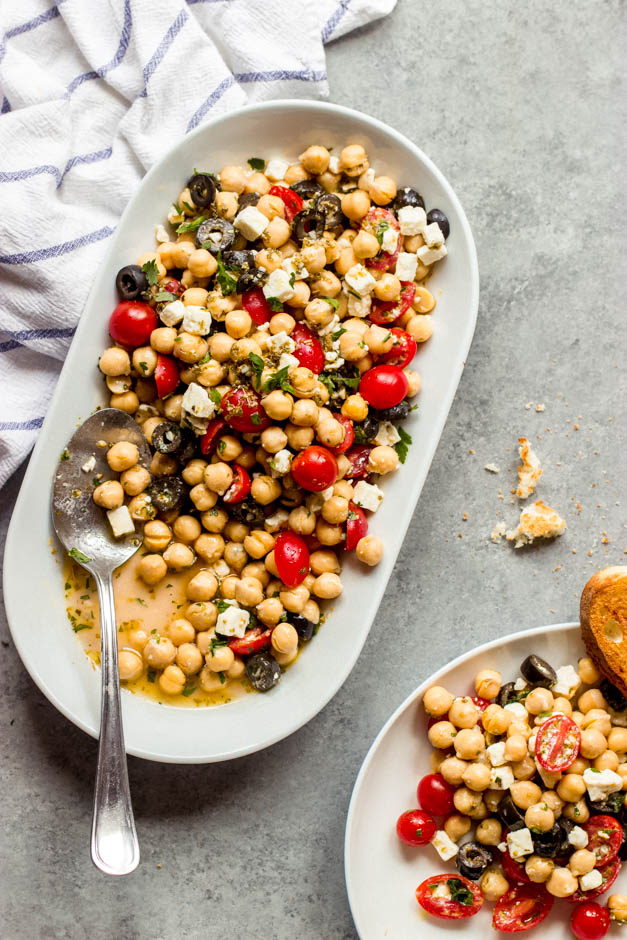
(359, 306)
(501, 778)
(281, 343)
(519, 843)
(360, 280)
(334, 164)
(444, 845)
(197, 320)
(196, 401)
(567, 682)
(518, 710)
(519, 685)
(161, 234)
(406, 266)
(282, 461)
(330, 327)
(367, 495)
(287, 361)
(295, 266)
(413, 219)
(173, 313)
(251, 223)
(578, 837)
(433, 235)
(175, 217)
(277, 520)
(276, 169)
(389, 240)
(601, 783)
(431, 255)
(120, 521)
(330, 356)
(592, 880)
(89, 464)
(336, 364)
(496, 754)
(327, 494)
(387, 434)
(278, 285)
(232, 621)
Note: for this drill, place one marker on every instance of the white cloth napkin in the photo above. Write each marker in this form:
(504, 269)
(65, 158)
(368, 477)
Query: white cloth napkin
(92, 92)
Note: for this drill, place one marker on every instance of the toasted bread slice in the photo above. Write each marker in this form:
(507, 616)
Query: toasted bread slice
(603, 616)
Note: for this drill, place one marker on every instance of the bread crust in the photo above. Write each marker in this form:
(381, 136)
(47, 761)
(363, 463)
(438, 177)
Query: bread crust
(604, 598)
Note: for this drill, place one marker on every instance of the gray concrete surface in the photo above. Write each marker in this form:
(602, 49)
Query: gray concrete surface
(521, 105)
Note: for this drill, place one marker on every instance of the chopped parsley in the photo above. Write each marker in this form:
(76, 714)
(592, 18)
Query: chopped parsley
(85, 597)
(79, 556)
(360, 435)
(255, 418)
(335, 382)
(177, 208)
(257, 164)
(278, 380)
(140, 600)
(80, 626)
(275, 304)
(188, 690)
(143, 366)
(330, 300)
(382, 228)
(221, 447)
(459, 892)
(190, 226)
(151, 272)
(65, 455)
(402, 447)
(222, 606)
(164, 296)
(221, 678)
(217, 642)
(215, 396)
(226, 281)
(258, 365)
(151, 675)
(338, 333)
(292, 279)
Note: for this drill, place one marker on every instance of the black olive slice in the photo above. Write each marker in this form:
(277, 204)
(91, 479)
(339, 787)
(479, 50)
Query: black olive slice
(369, 427)
(507, 694)
(308, 189)
(308, 224)
(263, 672)
(396, 413)
(473, 859)
(549, 844)
(130, 282)
(538, 672)
(305, 628)
(613, 696)
(167, 493)
(215, 235)
(331, 208)
(508, 812)
(249, 279)
(247, 199)
(202, 189)
(407, 197)
(436, 215)
(167, 438)
(243, 259)
(249, 512)
(612, 805)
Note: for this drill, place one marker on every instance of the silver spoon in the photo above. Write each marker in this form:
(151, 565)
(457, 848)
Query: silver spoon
(83, 529)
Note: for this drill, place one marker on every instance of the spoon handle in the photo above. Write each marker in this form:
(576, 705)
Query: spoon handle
(114, 845)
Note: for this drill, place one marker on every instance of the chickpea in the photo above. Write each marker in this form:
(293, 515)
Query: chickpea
(355, 407)
(562, 883)
(493, 885)
(162, 339)
(539, 816)
(597, 720)
(593, 698)
(178, 556)
(157, 535)
(181, 631)
(329, 534)
(383, 459)
(582, 861)
(415, 383)
(186, 529)
(301, 295)
(273, 440)
(270, 611)
(324, 560)
(539, 700)
(442, 734)
(141, 508)
(466, 801)
(109, 495)
(227, 588)
(135, 480)
(220, 345)
(553, 801)
(539, 869)
(235, 555)
(210, 681)
(469, 743)
(365, 245)
(477, 776)
(218, 477)
(249, 592)
(202, 497)
(593, 743)
(159, 652)
(353, 160)
(202, 615)
(353, 347)
(577, 718)
(233, 179)
(388, 287)
(451, 768)
(271, 207)
(220, 658)
(515, 747)
(284, 638)
(577, 812)
(489, 832)
(305, 413)
(130, 664)
(524, 769)
(617, 740)
(144, 361)
(330, 432)
(355, 205)
(203, 586)
(326, 284)
(295, 173)
(464, 713)
(571, 788)
(456, 826)
(318, 313)
(277, 232)
(488, 683)
(163, 465)
(189, 659)
(315, 159)
(424, 301)
(265, 489)
(313, 256)
(138, 639)
(295, 598)
(152, 569)
(562, 705)
(278, 405)
(496, 720)
(420, 327)
(238, 323)
(437, 701)
(579, 765)
(492, 798)
(588, 672)
(382, 190)
(114, 361)
(172, 680)
(617, 906)
(524, 793)
(189, 348)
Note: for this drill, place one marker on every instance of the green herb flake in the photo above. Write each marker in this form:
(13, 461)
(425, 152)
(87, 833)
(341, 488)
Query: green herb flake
(382, 227)
(222, 606)
(279, 380)
(255, 419)
(151, 272)
(79, 556)
(151, 675)
(164, 296)
(140, 600)
(188, 690)
(225, 280)
(331, 301)
(190, 226)
(221, 447)
(221, 677)
(215, 396)
(292, 279)
(68, 586)
(65, 455)
(257, 164)
(143, 366)
(275, 304)
(335, 336)
(258, 365)
(459, 892)
(402, 447)
(85, 597)
(80, 626)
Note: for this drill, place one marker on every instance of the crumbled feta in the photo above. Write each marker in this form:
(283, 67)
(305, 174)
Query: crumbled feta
(278, 285)
(406, 266)
(221, 569)
(359, 306)
(174, 217)
(334, 165)
(433, 235)
(367, 495)
(161, 234)
(550, 779)
(389, 240)
(496, 754)
(519, 685)
(326, 494)
(578, 837)
(592, 880)
(431, 255)
(296, 267)
(336, 364)
(330, 356)
(287, 361)
(518, 710)
(444, 845)
(441, 890)
(251, 223)
(173, 313)
(360, 280)
(387, 434)
(232, 621)
(502, 846)
(276, 169)
(330, 327)
(89, 464)
(567, 682)
(501, 778)
(197, 321)
(120, 521)
(413, 220)
(277, 520)
(196, 401)
(282, 461)
(601, 783)
(281, 343)
(519, 843)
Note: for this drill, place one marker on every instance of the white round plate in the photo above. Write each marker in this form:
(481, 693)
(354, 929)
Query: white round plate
(382, 874)
(32, 577)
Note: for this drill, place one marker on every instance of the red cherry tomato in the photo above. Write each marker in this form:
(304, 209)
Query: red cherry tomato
(356, 526)
(240, 487)
(255, 303)
(315, 468)
(291, 200)
(464, 898)
(481, 703)
(132, 322)
(383, 386)
(242, 410)
(415, 827)
(349, 434)
(358, 456)
(252, 642)
(372, 223)
(384, 312)
(435, 795)
(403, 350)
(209, 440)
(609, 873)
(605, 837)
(173, 286)
(557, 743)
(166, 375)
(308, 350)
(521, 908)
(514, 871)
(590, 922)
(291, 557)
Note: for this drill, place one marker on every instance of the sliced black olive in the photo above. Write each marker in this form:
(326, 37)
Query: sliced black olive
(331, 208)
(549, 844)
(215, 235)
(473, 859)
(368, 429)
(538, 672)
(188, 448)
(396, 413)
(612, 805)
(249, 512)
(305, 628)
(507, 694)
(250, 279)
(130, 281)
(436, 215)
(622, 852)
(167, 493)
(308, 189)
(308, 224)
(167, 438)
(508, 812)
(243, 260)
(613, 696)
(248, 199)
(202, 189)
(408, 197)
(263, 672)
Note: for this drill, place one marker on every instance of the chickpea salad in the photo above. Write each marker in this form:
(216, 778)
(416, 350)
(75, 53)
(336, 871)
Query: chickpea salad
(265, 348)
(526, 798)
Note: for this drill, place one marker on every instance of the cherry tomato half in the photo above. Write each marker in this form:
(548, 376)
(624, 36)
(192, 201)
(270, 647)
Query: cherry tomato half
(209, 440)
(132, 322)
(521, 908)
(384, 312)
(291, 200)
(308, 349)
(256, 305)
(557, 743)
(242, 410)
(240, 487)
(590, 922)
(375, 219)
(166, 375)
(356, 527)
(358, 457)
(383, 386)
(349, 434)
(435, 795)
(252, 642)
(291, 557)
(605, 837)
(514, 871)
(315, 468)
(609, 873)
(415, 827)
(173, 286)
(462, 900)
(403, 350)
(481, 703)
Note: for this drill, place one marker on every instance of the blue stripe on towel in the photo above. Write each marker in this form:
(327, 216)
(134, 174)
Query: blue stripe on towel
(31, 425)
(6, 106)
(11, 176)
(163, 47)
(334, 19)
(19, 337)
(125, 38)
(215, 95)
(41, 254)
(44, 17)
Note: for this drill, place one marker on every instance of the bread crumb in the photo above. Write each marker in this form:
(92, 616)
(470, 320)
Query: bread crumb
(465, 517)
(537, 521)
(540, 407)
(529, 472)
(498, 532)
(492, 468)
(529, 405)
(470, 450)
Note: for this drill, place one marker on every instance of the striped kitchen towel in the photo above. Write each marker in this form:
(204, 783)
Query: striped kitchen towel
(92, 92)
